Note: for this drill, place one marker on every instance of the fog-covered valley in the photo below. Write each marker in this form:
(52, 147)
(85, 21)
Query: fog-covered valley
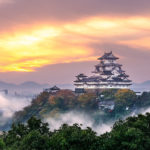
(8, 106)
(100, 121)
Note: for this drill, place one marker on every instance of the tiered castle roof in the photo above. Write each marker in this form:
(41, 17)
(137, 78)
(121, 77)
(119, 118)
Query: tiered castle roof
(107, 72)
(108, 56)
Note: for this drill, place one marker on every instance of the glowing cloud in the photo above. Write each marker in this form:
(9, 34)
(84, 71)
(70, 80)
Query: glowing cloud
(109, 27)
(25, 50)
(138, 43)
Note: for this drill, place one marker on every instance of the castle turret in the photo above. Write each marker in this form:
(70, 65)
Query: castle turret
(107, 74)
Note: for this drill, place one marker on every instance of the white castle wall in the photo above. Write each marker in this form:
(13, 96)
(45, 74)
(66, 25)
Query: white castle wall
(93, 85)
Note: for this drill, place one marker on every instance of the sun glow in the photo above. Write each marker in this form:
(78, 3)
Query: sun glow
(29, 38)
(36, 46)
(24, 52)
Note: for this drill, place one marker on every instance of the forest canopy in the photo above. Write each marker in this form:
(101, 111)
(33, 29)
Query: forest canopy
(132, 134)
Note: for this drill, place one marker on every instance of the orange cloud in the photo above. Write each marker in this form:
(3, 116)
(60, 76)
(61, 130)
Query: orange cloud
(25, 50)
(110, 27)
(143, 43)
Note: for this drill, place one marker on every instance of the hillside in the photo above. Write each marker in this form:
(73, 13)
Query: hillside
(65, 106)
(114, 104)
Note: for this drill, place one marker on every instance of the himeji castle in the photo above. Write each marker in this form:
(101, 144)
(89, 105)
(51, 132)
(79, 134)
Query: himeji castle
(108, 74)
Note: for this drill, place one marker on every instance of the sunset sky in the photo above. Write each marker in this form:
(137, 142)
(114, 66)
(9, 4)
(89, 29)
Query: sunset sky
(51, 41)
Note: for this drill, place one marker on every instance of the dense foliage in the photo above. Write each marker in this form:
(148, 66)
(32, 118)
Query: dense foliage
(130, 134)
(49, 104)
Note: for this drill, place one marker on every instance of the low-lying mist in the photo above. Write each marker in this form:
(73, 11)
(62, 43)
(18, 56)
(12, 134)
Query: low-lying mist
(9, 105)
(86, 120)
(80, 118)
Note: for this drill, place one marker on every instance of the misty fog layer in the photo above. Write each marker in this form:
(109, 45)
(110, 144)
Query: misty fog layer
(86, 120)
(80, 118)
(9, 105)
